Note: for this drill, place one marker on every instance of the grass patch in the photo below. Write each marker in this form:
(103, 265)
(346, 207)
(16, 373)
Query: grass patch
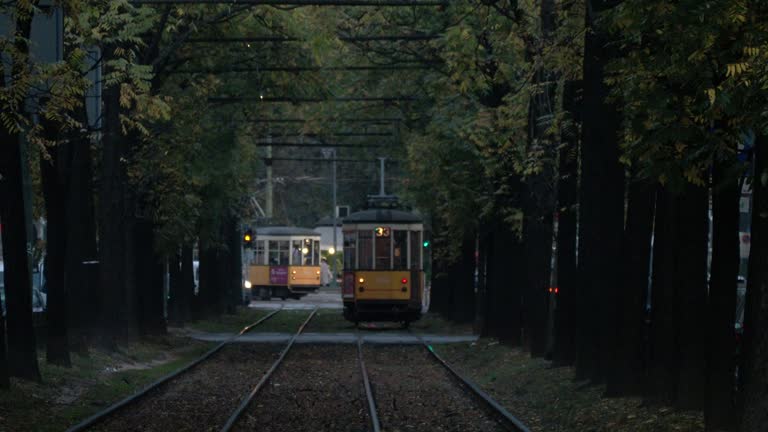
(229, 323)
(69, 395)
(548, 399)
(433, 323)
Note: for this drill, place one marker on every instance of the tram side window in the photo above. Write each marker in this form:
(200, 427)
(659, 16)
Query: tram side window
(365, 251)
(296, 252)
(416, 250)
(278, 252)
(350, 246)
(316, 252)
(400, 251)
(383, 253)
(258, 253)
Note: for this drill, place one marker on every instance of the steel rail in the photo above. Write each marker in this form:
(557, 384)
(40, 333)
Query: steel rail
(101, 415)
(375, 424)
(249, 397)
(510, 420)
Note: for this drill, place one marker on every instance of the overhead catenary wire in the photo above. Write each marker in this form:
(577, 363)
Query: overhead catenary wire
(387, 3)
(298, 99)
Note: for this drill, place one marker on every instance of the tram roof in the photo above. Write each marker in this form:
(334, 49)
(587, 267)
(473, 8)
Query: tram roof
(382, 215)
(286, 231)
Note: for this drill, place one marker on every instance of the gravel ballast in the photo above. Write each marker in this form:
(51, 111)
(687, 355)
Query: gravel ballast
(415, 394)
(317, 388)
(203, 398)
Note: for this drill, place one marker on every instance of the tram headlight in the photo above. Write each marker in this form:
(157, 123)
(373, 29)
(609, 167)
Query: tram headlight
(305, 251)
(361, 280)
(247, 284)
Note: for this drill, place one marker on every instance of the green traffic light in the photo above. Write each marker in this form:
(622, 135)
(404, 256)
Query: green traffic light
(426, 243)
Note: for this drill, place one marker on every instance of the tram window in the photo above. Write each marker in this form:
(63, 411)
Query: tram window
(316, 252)
(350, 246)
(383, 253)
(365, 251)
(258, 253)
(296, 252)
(416, 250)
(278, 252)
(400, 251)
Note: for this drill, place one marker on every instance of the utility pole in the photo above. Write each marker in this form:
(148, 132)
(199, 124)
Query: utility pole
(330, 153)
(270, 187)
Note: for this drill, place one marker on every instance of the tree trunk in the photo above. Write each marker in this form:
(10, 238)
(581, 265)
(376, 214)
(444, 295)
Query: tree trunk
(691, 278)
(149, 281)
(719, 409)
(481, 295)
(564, 348)
(506, 267)
(234, 275)
(627, 377)
(5, 381)
(22, 354)
(82, 255)
(601, 221)
(207, 293)
(663, 367)
(753, 415)
(175, 290)
(118, 308)
(187, 283)
(538, 249)
(55, 175)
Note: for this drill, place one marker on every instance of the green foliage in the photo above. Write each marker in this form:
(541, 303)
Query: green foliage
(687, 83)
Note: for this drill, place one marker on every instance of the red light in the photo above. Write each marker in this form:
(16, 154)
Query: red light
(557, 290)
(404, 281)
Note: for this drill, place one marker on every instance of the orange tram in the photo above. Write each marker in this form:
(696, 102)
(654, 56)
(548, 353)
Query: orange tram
(383, 266)
(283, 262)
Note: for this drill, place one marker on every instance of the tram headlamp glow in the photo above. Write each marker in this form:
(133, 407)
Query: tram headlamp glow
(331, 250)
(305, 251)
(247, 284)
(317, 272)
(361, 280)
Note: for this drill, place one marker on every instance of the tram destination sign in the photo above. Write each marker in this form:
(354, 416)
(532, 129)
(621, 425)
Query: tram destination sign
(382, 231)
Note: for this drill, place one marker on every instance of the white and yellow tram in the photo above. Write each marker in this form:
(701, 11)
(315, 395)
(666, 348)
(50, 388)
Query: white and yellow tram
(383, 266)
(283, 262)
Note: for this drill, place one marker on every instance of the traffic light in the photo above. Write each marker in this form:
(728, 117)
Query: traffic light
(248, 238)
(426, 243)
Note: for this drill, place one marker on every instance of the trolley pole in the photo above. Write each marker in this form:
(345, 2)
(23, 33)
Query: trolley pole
(381, 177)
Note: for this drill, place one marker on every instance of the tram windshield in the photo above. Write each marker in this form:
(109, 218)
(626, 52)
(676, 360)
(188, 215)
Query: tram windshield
(278, 252)
(390, 250)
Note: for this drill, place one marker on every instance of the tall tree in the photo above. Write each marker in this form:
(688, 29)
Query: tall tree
(22, 351)
(601, 207)
(564, 348)
(721, 347)
(630, 350)
(754, 368)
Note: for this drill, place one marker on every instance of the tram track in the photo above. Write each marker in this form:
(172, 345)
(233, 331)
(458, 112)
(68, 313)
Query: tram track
(100, 418)
(246, 401)
(511, 422)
